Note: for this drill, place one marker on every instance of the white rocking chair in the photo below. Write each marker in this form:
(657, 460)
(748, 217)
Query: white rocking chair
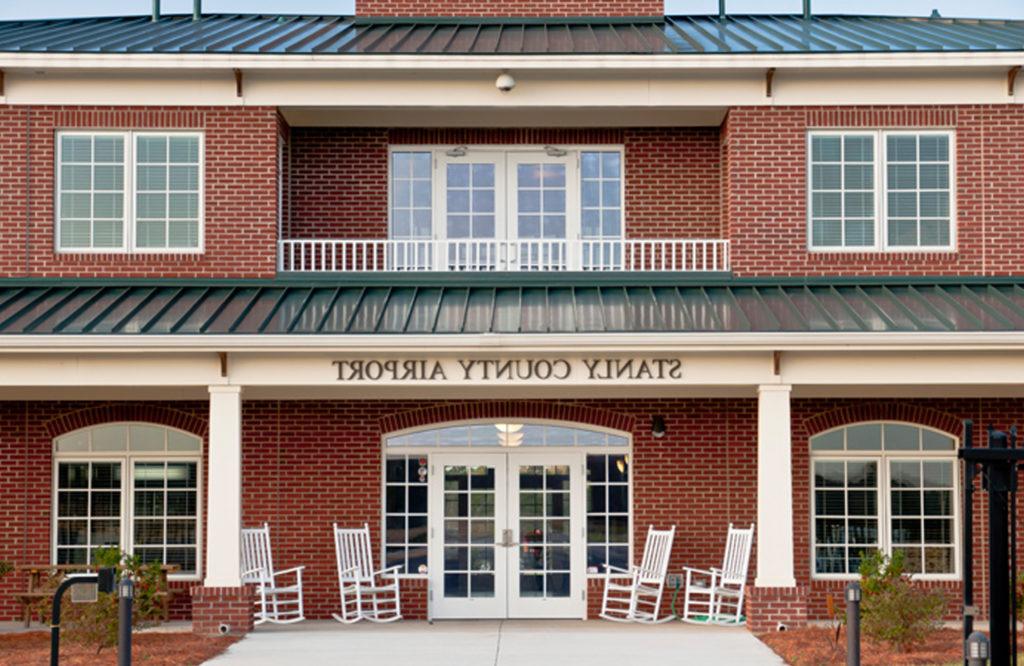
(365, 595)
(715, 596)
(639, 599)
(276, 603)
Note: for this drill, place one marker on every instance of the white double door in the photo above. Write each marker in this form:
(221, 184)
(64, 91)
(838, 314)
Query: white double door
(507, 211)
(507, 535)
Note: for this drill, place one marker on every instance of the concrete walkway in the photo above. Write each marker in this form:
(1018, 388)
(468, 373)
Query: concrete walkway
(492, 643)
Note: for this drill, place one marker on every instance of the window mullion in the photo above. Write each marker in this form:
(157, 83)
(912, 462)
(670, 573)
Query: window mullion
(129, 191)
(881, 193)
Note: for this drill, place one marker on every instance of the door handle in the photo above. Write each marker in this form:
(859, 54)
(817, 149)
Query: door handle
(506, 539)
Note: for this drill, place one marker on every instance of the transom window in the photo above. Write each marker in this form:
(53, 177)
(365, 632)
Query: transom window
(129, 191)
(881, 190)
(884, 486)
(508, 435)
(132, 486)
(495, 207)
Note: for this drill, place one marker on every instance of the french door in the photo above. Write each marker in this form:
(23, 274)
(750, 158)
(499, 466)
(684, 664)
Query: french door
(506, 537)
(502, 211)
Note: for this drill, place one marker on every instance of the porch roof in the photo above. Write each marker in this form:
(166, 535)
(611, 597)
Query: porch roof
(508, 304)
(254, 34)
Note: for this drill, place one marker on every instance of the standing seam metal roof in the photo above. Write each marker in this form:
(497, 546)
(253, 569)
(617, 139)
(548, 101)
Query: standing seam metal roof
(668, 35)
(327, 307)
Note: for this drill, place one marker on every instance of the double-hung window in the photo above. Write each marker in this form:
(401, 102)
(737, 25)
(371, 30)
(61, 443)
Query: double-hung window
(130, 486)
(129, 191)
(494, 208)
(884, 486)
(881, 190)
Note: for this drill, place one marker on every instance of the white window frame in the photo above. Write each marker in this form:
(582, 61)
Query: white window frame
(881, 188)
(428, 451)
(128, 245)
(127, 459)
(884, 503)
(504, 211)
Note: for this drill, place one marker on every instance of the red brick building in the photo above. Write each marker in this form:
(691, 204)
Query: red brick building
(706, 270)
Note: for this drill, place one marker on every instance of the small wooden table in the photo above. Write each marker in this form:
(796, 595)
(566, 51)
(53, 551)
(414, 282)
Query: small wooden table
(43, 580)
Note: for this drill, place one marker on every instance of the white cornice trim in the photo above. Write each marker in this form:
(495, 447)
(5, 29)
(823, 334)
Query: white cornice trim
(79, 61)
(521, 343)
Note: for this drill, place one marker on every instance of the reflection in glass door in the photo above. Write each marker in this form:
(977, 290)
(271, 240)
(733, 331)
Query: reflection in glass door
(468, 538)
(473, 191)
(542, 185)
(545, 514)
(507, 532)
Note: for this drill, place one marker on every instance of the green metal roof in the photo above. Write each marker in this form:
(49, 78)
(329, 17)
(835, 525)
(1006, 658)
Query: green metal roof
(346, 35)
(506, 305)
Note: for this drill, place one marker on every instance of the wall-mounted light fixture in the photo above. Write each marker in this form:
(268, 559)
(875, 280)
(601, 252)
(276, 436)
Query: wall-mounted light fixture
(457, 151)
(555, 151)
(657, 427)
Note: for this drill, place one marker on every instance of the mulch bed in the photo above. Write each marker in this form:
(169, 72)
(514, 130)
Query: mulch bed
(813, 646)
(159, 649)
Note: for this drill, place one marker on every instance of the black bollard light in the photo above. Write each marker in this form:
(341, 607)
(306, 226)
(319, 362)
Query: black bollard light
(853, 596)
(125, 598)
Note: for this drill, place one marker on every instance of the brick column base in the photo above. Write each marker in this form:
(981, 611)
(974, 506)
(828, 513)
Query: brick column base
(214, 607)
(767, 607)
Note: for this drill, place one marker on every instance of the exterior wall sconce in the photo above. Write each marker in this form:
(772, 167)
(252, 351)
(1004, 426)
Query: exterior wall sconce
(554, 151)
(457, 151)
(657, 427)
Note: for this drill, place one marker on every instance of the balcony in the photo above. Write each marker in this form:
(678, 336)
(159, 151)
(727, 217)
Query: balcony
(488, 255)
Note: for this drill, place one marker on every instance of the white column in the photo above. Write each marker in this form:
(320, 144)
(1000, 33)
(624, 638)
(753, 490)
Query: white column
(774, 488)
(224, 488)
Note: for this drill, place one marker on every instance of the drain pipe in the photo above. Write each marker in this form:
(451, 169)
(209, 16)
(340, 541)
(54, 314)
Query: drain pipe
(807, 9)
(156, 10)
(721, 10)
(197, 10)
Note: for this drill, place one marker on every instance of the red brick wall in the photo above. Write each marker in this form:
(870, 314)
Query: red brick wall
(230, 608)
(286, 444)
(27, 430)
(307, 464)
(813, 416)
(339, 181)
(240, 197)
(513, 8)
(766, 207)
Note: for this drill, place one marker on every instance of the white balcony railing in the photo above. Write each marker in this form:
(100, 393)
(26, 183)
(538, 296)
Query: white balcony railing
(374, 256)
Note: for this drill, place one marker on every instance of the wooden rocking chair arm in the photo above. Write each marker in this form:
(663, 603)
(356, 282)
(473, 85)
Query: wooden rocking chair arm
(385, 572)
(297, 570)
(251, 572)
(618, 572)
(706, 572)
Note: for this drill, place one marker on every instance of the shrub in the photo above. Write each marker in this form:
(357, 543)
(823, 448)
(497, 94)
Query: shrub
(5, 568)
(893, 608)
(96, 623)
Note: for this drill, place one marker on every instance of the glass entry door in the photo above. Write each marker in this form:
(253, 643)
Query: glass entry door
(506, 537)
(468, 540)
(546, 517)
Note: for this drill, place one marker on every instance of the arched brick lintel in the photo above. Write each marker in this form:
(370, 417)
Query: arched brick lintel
(549, 411)
(119, 412)
(884, 411)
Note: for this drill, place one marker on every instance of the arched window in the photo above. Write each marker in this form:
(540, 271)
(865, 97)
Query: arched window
(133, 486)
(884, 486)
